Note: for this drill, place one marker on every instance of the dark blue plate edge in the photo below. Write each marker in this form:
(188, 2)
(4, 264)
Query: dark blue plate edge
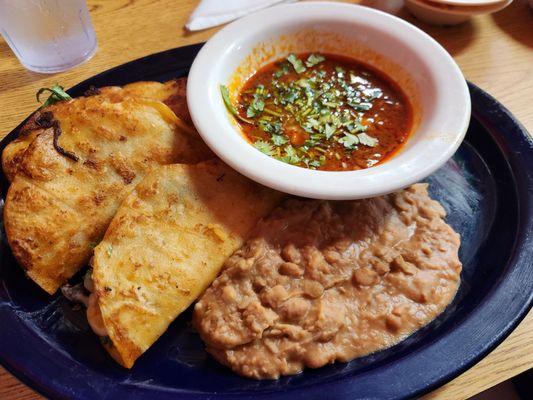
(485, 109)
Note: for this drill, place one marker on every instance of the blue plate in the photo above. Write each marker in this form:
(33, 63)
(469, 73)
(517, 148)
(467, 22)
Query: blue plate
(487, 190)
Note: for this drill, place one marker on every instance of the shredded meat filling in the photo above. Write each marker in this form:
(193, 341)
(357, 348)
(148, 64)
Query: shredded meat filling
(83, 293)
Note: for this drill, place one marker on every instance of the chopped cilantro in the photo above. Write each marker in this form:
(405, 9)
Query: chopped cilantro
(314, 59)
(303, 83)
(349, 141)
(309, 119)
(289, 95)
(256, 107)
(340, 72)
(270, 127)
(260, 90)
(329, 131)
(367, 140)
(57, 93)
(372, 94)
(355, 127)
(360, 128)
(291, 156)
(284, 68)
(359, 106)
(315, 163)
(227, 101)
(279, 140)
(272, 112)
(264, 147)
(297, 64)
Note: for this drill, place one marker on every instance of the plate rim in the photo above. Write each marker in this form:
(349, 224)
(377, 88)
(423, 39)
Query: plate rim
(522, 181)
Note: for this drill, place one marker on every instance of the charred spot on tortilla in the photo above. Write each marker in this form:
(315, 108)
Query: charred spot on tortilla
(92, 91)
(57, 132)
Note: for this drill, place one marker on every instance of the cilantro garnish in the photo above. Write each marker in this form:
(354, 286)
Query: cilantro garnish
(284, 69)
(297, 64)
(256, 107)
(315, 163)
(227, 101)
(312, 119)
(349, 141)
(273, 128)
(329, 131)
(372, 94)
(367, 140)
(264, 147)
(291, 155)
(57, 94)
(340, 72)
(360, 106)
(314, 59)
(279, 140)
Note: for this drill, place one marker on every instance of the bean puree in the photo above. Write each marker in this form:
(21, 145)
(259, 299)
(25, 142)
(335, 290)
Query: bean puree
(323, 281)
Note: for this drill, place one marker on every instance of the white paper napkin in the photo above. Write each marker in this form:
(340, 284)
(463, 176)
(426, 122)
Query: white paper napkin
(211, 13)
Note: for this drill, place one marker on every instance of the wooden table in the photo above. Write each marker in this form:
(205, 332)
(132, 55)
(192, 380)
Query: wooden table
(495, 52)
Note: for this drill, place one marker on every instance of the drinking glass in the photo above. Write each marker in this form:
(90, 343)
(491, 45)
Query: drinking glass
(48, 35)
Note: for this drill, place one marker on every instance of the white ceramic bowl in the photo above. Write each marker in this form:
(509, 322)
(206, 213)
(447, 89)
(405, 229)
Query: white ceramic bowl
(425, 71)
(470, 3)
(435, 12)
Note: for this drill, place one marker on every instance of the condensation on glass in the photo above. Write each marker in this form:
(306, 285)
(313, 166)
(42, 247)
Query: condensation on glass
(48, 35)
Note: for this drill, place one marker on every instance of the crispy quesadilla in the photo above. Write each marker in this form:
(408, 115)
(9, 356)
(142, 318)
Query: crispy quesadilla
(172, 93)
(165, 245)
(89, 153)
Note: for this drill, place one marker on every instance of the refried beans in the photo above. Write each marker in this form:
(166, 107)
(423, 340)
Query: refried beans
(321, 281)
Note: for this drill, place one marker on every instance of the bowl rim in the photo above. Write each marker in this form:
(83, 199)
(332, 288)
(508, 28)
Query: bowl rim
(469, 3)
(227, 142)
(462, 9)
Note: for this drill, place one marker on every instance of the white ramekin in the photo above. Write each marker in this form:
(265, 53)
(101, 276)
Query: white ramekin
(452, 12)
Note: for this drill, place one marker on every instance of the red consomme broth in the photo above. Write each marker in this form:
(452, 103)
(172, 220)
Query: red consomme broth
(324, 111)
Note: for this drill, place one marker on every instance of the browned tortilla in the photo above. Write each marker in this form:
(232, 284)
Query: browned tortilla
(330, 281)
(172, 93)
(87, 154)
(165, 245)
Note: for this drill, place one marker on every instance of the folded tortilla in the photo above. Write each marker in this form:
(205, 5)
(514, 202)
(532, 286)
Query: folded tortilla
(86, 156)
(165, 245)
(172, 93)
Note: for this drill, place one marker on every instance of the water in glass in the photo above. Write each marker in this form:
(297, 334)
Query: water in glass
(48, 35)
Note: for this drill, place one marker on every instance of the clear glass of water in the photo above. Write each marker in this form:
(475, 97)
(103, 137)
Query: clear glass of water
(48, 35)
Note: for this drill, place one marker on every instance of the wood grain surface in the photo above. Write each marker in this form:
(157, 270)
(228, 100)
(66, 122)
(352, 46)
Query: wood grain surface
(494, 51)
